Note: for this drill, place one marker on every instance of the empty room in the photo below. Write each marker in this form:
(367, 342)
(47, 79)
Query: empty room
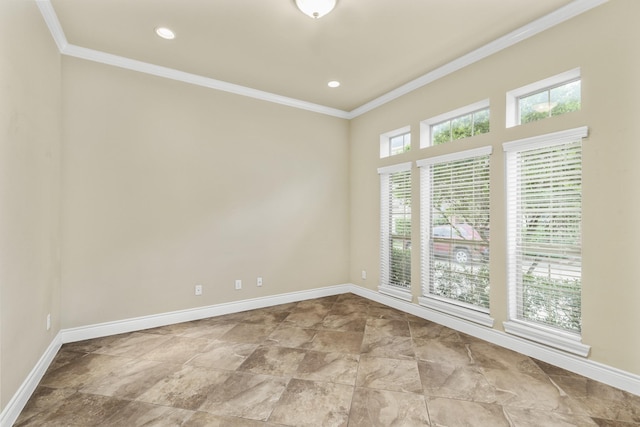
(319, 213)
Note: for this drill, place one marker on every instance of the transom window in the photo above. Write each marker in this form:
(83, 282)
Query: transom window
(549, 102)
(400, 143)
(550, 97)
(395, 142)
(461, 127)
(461, 123)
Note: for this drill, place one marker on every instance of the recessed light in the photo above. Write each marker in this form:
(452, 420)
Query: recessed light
(165, 33)
(333, 83)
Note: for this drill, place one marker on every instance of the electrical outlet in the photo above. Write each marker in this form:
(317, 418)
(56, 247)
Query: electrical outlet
(238, 284)
(48, 321)
(259, 281)
(198, 290)
(364, 274)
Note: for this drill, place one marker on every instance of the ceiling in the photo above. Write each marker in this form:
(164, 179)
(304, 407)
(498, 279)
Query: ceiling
(371, 46)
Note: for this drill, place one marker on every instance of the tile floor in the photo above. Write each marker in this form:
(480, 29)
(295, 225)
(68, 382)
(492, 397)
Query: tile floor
(335, 361)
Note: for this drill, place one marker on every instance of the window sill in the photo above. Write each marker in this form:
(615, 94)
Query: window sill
(560, 340)
(455, 310)
(391, 291)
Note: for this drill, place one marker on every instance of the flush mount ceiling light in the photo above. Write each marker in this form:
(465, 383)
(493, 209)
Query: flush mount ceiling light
(315, 8)
(333, 83)
(165, 33)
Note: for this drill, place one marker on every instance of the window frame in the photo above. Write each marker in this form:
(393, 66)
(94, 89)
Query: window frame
(513, 96)
(385, 286)
(554, 337)
(385, 141)
(426, 126)
(476, 314)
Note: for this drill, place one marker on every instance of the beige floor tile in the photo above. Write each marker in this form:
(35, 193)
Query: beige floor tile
(381, 408)
(304, 319)
(130, 380)
(444, 352)
(82, 371)
(531, 418)
(457, 382)
(210, 329)
(204, 419)
(386, 313)
(139, 414)
(177, 350)
(224, 355)
(249, 333)
(524, 390)
(600, 400)
(43, 402)
(308, 403)
(265, 317)
(336, 342)
(245, 395)
(187, 388)
(387, 346)
(453, 413)
(389, 374)
(339, 368)
(354, 322)
(291, 336)
(272, 360)
(388, 327)
(82, 409)
(136, 344)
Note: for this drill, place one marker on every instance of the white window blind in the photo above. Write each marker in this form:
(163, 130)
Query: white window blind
(455, 228)
(544, 192)
(395, 226)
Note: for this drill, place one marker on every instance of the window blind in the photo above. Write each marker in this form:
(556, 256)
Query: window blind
(544, 193)
(455, 228)
(395, 226)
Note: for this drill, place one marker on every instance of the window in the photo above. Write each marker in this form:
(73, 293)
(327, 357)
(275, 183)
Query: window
(395, 230)
(544, 198)
(395, 142)
(455, 233)
(461, 123)
(550, 97)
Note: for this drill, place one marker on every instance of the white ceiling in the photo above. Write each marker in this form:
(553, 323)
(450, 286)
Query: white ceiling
(372, 47)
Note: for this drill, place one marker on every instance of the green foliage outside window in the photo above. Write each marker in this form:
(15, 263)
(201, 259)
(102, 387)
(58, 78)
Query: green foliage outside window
(461, 127)
(464, 283)
(401, 266)
(554, 302)
(550, 102)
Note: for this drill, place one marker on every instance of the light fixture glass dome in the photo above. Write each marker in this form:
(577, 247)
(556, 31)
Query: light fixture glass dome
(316, 8)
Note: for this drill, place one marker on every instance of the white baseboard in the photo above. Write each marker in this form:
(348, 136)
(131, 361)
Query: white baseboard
(10, 413)
(163, 319)
(588, 368)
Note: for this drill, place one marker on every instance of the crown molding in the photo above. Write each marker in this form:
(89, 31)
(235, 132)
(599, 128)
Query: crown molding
(173, 74)
(559, 16)
(51, 19)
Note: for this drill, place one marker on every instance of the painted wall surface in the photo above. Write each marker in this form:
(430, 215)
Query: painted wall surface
(30, 134)
(603, 43)
(168, 185)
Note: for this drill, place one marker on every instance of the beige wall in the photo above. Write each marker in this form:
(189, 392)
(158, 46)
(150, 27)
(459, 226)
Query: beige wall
(167, 185)
(603, 42)
(29, 191)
